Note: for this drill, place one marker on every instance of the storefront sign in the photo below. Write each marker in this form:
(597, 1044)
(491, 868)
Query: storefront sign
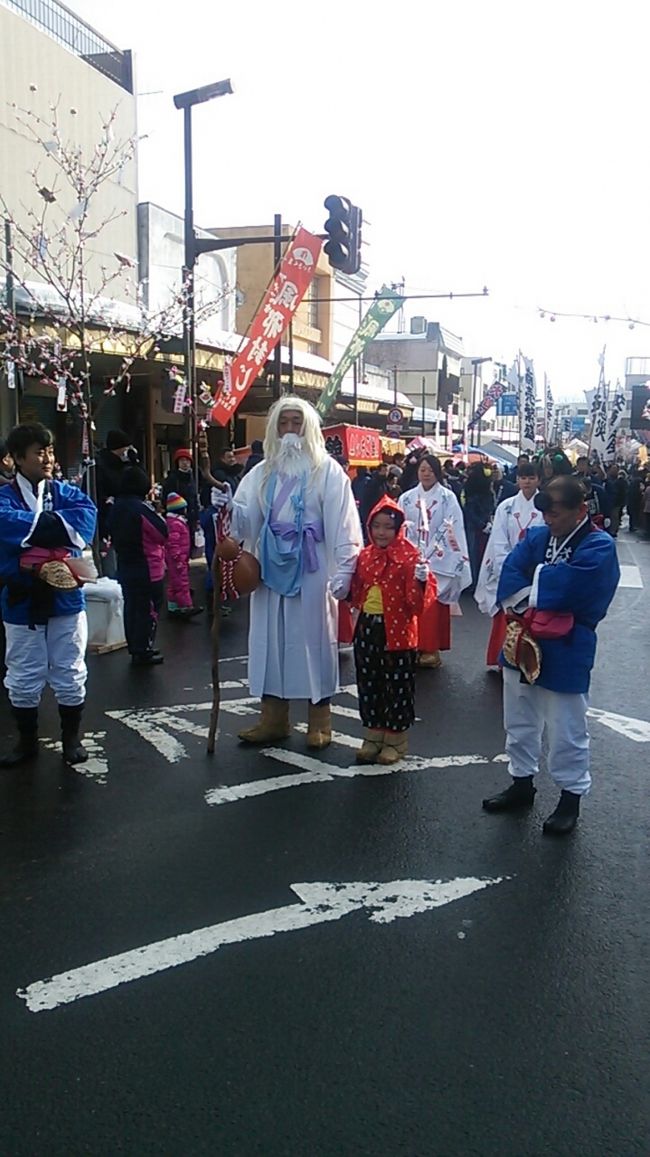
(281, 301)
(361, 447)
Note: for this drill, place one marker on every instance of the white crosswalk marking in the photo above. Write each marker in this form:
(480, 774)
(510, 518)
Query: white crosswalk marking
(318, 771)
(96, 766)
(631, 577)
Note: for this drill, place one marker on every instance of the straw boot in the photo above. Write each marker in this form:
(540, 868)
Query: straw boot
(431, 660)
(395, 747)
(273, 724)
(319, 726)
(373, 741)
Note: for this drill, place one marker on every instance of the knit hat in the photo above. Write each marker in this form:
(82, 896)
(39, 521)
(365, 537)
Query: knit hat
(175, 503)
(117, 440)
(182, 454)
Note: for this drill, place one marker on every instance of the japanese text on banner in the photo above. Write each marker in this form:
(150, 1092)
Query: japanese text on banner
(380, 312)
(281, 301)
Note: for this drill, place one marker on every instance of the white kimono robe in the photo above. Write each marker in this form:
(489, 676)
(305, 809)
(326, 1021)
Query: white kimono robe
(444, 546)
(511, 521)
(293, 648)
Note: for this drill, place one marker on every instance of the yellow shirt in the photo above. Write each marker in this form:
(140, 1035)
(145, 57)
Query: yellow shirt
(374, 604)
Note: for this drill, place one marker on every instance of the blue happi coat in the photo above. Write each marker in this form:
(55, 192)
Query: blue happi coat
(582, 579)
(18, 516)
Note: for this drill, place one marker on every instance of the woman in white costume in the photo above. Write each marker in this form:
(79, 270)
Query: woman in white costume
(434, 523)
(511, 521)
(295, 511)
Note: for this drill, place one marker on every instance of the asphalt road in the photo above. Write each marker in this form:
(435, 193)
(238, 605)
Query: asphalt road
(504, 1014)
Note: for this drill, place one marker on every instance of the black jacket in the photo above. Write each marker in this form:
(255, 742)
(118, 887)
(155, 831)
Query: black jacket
(182, 482)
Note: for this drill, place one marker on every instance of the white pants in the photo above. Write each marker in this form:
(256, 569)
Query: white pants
(527, 711)
(53, 654)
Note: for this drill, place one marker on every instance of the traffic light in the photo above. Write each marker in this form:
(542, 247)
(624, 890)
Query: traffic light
(343, 227)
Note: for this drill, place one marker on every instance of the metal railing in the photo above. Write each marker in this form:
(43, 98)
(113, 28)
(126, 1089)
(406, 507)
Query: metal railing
(74, 34)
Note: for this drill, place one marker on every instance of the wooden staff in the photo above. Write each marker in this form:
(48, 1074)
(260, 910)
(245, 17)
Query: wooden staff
(216, 628)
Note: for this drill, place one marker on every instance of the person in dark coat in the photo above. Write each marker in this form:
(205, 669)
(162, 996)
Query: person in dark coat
(112, 461)
(139, 535)
(477, 502)
(501, 487)
(256, 455)
(180, 480)
(227, 468)
(375, 489)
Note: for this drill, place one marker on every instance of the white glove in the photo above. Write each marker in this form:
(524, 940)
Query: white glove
(421, 571)
(340, 585)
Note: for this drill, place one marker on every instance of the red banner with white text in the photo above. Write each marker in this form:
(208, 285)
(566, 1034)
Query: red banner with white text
(281, 301)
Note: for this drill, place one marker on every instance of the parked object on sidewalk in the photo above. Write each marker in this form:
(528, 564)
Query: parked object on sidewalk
(105, 611)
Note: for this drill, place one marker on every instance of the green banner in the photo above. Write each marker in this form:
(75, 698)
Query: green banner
(382, 309)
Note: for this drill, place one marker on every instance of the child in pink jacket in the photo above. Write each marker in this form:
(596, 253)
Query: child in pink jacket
(178, 551)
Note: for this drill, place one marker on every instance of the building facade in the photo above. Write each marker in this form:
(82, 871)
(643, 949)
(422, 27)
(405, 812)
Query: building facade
(57, 68)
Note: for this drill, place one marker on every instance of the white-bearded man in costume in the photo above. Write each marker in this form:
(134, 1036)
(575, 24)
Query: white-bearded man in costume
(433, 521)
(512, 518)
(562, 576)
(295, 511)
(43, 524)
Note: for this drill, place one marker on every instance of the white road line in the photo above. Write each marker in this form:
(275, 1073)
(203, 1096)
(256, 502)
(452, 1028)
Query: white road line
(317, 771)
(636, 729)
(145, 724)
(96, 766)
(631, 577)
(320, 903)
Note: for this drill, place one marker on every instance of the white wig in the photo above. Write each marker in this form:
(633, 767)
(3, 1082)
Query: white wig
(310, 432)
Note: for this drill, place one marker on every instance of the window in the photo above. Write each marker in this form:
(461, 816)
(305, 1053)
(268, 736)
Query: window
(312, 303)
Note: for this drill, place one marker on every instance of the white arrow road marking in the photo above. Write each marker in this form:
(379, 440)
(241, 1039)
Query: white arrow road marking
(322, 902)
(317, 771)
(145, 723)
(96, 766)
(154, 724)
(636, 729)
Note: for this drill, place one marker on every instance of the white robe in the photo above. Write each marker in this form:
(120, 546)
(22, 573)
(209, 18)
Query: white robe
(512, 519)
(293, 642)
(444, 546)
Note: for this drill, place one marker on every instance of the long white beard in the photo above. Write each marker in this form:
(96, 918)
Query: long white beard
(291, 458)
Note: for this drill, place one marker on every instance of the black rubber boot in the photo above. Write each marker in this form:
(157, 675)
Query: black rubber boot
(27, 746)
(73, 749)
(520, 794)
(147, 659)
(565, 817)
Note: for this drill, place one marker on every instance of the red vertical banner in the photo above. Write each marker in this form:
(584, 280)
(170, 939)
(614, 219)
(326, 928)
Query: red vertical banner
(281, 301)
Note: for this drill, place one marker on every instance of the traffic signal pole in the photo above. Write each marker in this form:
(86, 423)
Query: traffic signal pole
(277, 258)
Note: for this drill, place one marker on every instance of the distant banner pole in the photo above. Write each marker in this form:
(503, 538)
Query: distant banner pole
(382, 309)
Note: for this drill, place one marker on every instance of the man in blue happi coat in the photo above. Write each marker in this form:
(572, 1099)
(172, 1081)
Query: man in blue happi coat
(568, 567)
(43, 523)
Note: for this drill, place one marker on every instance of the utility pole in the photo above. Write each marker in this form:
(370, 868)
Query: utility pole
(277, 258)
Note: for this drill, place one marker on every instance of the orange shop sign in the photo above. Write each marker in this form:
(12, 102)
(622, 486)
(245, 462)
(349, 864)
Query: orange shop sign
(361, 446)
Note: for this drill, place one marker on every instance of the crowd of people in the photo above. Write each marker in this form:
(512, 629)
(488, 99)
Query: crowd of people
(395, 547)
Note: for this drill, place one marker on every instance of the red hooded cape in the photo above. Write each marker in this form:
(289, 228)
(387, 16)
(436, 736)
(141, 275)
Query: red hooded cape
(391, 569)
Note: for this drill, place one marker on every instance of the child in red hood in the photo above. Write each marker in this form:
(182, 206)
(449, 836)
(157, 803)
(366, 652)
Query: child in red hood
(391, 587)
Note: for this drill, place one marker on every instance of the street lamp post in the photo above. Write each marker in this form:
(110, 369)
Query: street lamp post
(186, 102)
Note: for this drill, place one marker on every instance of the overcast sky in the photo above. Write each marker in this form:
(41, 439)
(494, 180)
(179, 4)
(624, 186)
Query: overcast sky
(501, 144)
